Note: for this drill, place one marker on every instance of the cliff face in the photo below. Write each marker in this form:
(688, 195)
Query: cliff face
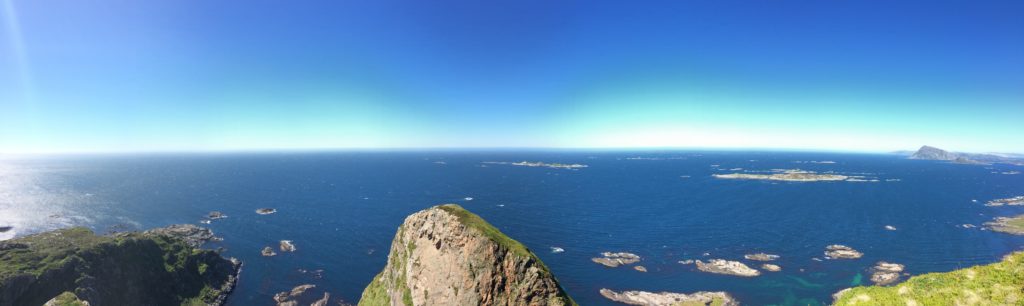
(446, 255)
(125, 269)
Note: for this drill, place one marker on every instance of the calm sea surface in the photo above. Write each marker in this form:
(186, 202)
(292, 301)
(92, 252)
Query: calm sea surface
(342, 209)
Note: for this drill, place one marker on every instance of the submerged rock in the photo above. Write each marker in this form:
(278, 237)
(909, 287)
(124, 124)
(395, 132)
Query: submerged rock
(267, 251)
(557, 250)
(686, 262)
(645, 298)
(761, 257)
(266, 211)
(640, 268)
(287, 246)
(890, 227)
(613, 260)
(728, 267)
(214, 215)
(136, 268)
(839, 251)
(446, 255)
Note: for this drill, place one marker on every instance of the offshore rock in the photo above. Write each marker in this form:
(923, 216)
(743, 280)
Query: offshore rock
(728, 267)
(645, 298)
(613, 260)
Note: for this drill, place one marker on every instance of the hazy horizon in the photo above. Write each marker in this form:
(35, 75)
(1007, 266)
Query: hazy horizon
(115, 76)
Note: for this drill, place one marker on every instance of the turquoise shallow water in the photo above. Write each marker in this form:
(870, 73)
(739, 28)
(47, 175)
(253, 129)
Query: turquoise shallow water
(342, 210)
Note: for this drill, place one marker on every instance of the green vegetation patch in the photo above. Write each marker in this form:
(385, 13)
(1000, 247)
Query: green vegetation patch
(473, 221)
(1001, 283)
(123, 269)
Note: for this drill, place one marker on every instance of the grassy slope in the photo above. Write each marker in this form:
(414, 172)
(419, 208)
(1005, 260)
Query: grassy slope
(1001, 283)
(123, 260)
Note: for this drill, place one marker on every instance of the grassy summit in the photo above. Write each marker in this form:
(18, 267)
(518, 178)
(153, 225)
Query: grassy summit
(473, 221)
(1001, 283)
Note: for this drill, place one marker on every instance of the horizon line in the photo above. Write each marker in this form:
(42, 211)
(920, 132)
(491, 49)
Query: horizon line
(440, 149)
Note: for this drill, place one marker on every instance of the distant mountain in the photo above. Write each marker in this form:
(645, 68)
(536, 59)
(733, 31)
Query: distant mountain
(933, 153)
(928, 152)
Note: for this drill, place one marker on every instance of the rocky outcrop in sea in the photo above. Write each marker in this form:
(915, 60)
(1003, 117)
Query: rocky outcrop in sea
(728, 267)
(884, 273)
(612, 260)
(839, 251)
(645, 298)
(446, 255)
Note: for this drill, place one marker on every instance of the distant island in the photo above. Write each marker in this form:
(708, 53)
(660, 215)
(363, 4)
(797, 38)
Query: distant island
(795, 175)
(540, 164)
(933, 153)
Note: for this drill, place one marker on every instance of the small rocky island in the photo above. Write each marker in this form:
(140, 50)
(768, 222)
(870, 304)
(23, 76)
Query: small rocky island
(540, 164)
(73, 266)
(761, 257)
(644, 298)
(884, 273)
(445, 255)
(1010, 225)
(789, 175)
(613, 260)
(839, 251)
(728, 267)
(266, 211)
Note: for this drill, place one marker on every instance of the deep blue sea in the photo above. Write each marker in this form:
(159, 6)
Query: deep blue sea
(342, 209)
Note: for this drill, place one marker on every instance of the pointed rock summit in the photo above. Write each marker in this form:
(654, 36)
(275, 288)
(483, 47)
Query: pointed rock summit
(446, 255)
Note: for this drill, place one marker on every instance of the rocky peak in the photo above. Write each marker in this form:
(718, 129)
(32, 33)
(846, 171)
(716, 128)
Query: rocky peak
(446, 255)
(929, 152)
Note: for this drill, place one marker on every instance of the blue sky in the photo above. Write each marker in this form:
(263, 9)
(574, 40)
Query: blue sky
(235, 75)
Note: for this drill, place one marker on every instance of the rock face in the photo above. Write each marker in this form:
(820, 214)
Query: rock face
(722, 266)
(446, 255)
(645, 298)
(149, 268)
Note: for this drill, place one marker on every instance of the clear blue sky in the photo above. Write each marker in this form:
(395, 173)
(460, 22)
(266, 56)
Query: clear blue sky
(224, 75)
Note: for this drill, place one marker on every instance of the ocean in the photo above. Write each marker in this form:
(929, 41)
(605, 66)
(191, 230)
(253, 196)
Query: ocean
(342, 209)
